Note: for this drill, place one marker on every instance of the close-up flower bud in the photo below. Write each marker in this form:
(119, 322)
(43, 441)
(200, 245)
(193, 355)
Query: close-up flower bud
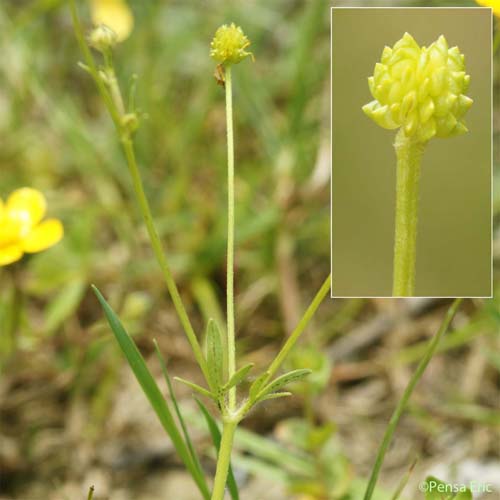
(102, 38)
(229, 44)
(421, 89)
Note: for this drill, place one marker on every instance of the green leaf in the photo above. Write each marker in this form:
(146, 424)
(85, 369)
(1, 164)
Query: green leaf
(239, 376)
(216, 438)
(257, 385)
(285, 379)
(275, 395)
(185, 432)
(215, 360)
(152, 392)
(435, 489)
(196, 387)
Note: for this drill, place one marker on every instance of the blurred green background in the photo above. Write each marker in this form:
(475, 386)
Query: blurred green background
(454, 227)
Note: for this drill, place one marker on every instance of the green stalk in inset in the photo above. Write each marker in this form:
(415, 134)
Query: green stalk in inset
(421, 92)
(409, 154)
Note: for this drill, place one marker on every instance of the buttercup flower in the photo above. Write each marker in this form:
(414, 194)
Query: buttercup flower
(115, 14)
(494, 4)
(229, 44)
(421, 89)
(21, 227)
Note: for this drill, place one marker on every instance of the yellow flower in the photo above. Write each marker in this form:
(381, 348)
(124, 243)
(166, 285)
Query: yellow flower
(21, 227)
(229, 44)
(115, 14)
(421, 89)
(494, 4)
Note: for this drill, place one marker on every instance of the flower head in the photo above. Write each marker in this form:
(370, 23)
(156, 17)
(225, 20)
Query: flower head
(494, 4)
(421, 89)
(229, 44)
(21, 227)
(115, 14)
(102, 38)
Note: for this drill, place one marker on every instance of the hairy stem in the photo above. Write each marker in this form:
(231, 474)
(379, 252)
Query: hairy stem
(231, 349)
(391, 427)
(223, 460)
(409, 154)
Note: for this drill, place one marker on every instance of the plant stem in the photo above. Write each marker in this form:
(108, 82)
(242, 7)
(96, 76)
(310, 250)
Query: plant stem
(223, 460)
(391, 427)
(409, 154)
(159, 254)
(231, 349)
(114, 104)
(291, 341)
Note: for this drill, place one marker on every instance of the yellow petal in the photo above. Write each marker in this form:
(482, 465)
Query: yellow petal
(27, 206)
(10, 254)
(11, 230)
(43, 236)
(115, 14)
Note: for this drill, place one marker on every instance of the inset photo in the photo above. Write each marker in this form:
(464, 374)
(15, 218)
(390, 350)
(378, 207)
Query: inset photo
(411, 152)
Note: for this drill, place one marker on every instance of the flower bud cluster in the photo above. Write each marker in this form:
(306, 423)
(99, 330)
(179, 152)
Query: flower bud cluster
(229, 44)
(421, 89)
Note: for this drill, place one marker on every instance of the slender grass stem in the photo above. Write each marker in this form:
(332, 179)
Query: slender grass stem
(160, 255)
(223, 460)
(231, 349)
(391, 427)
(409, 155)
(115, 109)
(299, 329)
(91, 65)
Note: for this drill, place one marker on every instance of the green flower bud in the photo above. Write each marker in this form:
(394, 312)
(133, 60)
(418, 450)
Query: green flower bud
(102, 38)
(421, 89)
(229, 44)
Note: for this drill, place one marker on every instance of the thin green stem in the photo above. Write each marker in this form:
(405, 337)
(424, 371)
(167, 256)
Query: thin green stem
(231, 349)
(115, 110)
(299, 329)
(90, 495)
(160, 255)
(223, 460)
(391, 427)
(409, 154)
(91, 65)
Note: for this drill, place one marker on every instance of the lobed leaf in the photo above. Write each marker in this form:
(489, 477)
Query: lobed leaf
(215, 356)
(239, 376)
(285, 379)
(274, 395)
(196, 387)
(257, 385)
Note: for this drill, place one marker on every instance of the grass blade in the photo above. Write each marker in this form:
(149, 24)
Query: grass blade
(216, 437)
(185, 432)
(393, 423)
(152, 391)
